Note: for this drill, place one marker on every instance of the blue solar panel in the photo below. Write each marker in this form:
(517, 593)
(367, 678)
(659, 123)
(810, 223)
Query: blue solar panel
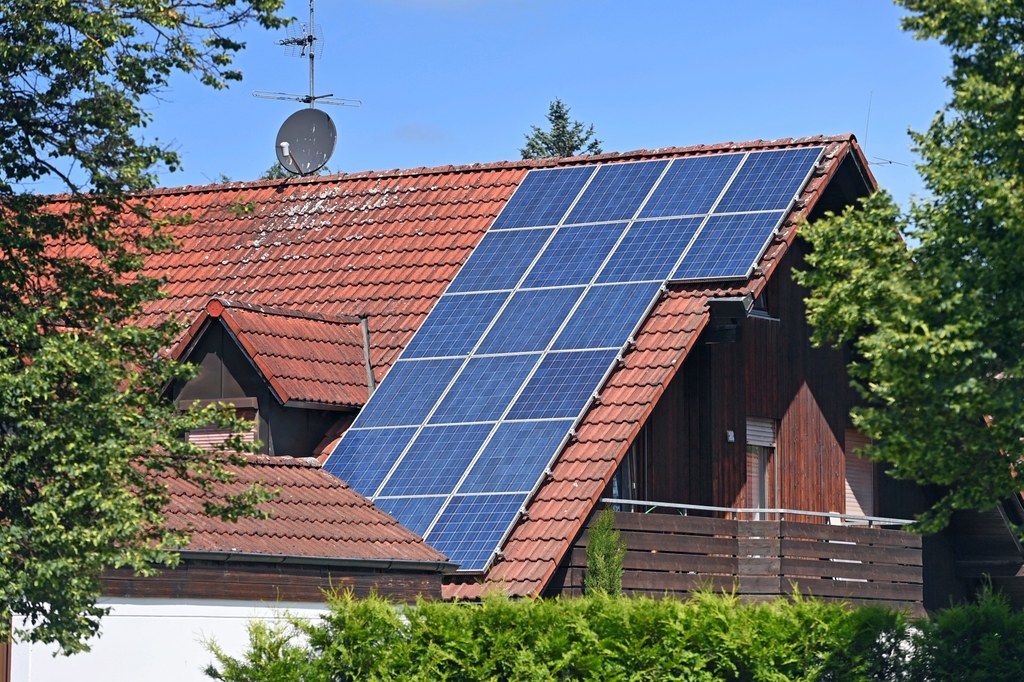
(562, 384)
(574, 255)
(649, 250)
(616, 192)
(543, 197)
(606, 316)
(408, 393)
(530, 320)
(436, 460)
(516, 454)
(364, 457)
(415, 513)
(485, 388)
(455, 325)
(691, 185)
(728, 246)
(472, 526)
(478, 420)
(500, 260)
(768, 181)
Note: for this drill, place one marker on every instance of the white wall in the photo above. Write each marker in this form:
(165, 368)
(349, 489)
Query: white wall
(153, 640)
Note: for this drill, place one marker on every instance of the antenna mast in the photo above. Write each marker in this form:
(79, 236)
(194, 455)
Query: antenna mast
(306, 42)
(306, 139)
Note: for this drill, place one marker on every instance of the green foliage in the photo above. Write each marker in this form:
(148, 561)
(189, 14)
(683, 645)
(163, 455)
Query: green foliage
(710, 638)
(937, 333)
(565, 137)
(605, 551)
(277, 172)
(83, 426)
(982, 642)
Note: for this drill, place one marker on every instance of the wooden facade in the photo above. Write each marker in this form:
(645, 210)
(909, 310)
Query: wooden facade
(696, 434)
(671, 555)
(272, 582)
(225, 373)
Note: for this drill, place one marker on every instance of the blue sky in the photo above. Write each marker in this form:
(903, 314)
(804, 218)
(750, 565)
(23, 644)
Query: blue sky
(461, 81)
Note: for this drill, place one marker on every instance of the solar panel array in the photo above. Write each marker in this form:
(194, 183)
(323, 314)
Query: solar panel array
(462, 430)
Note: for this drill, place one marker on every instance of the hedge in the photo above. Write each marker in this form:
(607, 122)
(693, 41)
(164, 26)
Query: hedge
(599, 637)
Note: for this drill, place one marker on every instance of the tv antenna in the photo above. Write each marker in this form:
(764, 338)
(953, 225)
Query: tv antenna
(306, 139)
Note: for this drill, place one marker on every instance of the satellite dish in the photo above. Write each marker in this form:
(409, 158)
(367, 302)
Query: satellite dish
(306, 141)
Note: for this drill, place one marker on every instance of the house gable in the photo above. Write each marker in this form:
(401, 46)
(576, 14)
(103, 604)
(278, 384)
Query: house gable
(303, 375)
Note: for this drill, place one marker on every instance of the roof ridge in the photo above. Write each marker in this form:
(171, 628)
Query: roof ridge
(282, 461)
(521, 164)
(218, 304)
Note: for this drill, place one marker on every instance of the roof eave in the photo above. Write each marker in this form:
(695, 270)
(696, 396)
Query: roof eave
(413, 565)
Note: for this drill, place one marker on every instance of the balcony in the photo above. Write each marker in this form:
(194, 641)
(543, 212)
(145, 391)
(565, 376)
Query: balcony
(762, 554)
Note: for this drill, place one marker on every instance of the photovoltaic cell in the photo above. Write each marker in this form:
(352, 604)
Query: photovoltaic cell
(562, 384)
(768, 181)
(415, 513)
(472, 525)
(515, 455)
(650, 250)
(485, 388)
(455, 325)
(367, 457)
(394, 403)
(728, 245)
(606, 316)
(530, 320)
(500, 260)
(436, 460)
(691, 185)
(616, 192)
(543, 197)
(574, 255)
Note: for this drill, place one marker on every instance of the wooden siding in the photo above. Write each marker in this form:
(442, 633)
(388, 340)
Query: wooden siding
(270, 582)
(772, 373)
(677, 555)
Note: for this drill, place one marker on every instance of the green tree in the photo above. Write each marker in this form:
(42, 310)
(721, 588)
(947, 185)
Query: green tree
(84, 431)
(936, 328)
(565, 138)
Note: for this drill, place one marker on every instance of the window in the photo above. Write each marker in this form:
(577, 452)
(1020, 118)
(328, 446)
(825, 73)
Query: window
(761, 466)
(860, 477)
(209, 437)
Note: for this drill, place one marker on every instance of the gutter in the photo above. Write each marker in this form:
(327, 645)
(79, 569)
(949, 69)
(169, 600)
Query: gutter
(288, 559)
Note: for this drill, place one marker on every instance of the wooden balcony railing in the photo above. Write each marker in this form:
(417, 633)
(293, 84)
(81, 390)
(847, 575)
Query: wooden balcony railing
(673, 554)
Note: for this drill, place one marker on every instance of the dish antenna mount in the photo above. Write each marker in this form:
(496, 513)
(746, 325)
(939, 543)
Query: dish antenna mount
(306, 139)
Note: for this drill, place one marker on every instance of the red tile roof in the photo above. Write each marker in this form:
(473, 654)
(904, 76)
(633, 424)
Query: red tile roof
(315, 516)
(382, 245)
(386, 245)
(304, 357)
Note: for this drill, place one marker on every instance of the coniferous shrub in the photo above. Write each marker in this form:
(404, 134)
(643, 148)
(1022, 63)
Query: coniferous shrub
(605, 552)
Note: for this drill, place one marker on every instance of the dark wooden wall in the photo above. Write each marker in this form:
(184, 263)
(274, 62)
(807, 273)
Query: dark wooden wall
(773, 372)
(226, 373)
(270, 582)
